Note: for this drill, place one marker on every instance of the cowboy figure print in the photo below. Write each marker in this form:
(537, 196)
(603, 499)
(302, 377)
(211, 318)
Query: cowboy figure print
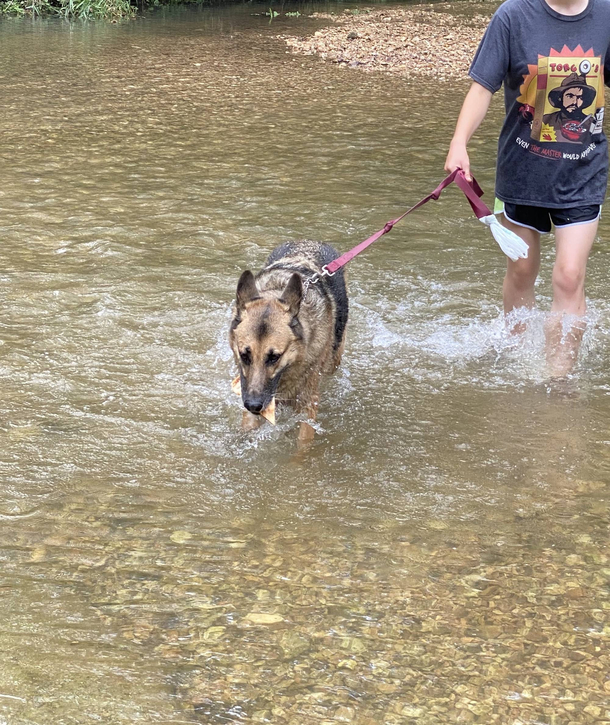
(563, 96)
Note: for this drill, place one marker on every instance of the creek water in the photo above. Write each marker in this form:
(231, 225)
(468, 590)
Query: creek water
(439, 554)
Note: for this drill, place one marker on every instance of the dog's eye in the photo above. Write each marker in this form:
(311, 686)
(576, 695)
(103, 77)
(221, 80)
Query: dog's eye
(272, 358)
(246, 356)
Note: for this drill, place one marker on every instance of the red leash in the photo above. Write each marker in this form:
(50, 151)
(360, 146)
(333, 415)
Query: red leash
(472, 191)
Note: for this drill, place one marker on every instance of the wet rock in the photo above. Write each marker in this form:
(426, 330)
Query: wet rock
(263, 618)
(293, 644)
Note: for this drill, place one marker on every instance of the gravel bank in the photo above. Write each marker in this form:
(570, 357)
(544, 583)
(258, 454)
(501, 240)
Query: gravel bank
(435, 40)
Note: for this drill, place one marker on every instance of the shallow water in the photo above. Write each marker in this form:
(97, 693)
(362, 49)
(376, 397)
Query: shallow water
(438, 555)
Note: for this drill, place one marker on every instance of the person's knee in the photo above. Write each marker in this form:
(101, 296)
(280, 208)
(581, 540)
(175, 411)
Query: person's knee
(522, 276)
(568, 279)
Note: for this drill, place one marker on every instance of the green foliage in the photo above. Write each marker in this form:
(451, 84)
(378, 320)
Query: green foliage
(71, 9)
(13, 7)
(274, 14)
(40, 7)
(95, 9)
(102, 9)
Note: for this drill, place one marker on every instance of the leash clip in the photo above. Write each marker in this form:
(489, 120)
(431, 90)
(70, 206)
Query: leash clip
(326, 273)
(318, 275)
(316, 278)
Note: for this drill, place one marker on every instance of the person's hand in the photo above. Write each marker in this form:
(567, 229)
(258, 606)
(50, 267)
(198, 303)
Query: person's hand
(457, 158)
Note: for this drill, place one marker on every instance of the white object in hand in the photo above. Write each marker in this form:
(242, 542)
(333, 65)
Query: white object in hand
(510, 243)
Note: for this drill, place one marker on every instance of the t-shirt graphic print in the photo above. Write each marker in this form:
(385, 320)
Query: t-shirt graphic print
(564, 96)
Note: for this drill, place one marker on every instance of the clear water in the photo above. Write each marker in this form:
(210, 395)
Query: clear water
(438, 555)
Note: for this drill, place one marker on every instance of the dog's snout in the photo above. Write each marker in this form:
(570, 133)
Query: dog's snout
(254, 404)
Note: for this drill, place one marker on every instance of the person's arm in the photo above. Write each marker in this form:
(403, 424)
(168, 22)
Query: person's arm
(471, 116)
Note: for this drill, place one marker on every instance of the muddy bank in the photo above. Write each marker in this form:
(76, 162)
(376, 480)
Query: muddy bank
(434, 40)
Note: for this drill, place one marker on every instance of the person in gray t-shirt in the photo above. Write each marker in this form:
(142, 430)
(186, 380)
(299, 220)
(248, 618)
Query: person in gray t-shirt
(552, 166)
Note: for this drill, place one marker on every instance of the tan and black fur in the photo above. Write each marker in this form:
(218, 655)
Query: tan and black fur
(284, 341)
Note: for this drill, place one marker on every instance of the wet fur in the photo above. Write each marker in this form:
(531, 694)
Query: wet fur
(271, 316)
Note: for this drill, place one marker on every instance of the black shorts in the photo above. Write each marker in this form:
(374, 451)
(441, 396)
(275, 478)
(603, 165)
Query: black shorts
(539, 218)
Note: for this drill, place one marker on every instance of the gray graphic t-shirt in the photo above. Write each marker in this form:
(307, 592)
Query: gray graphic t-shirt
(552, 150)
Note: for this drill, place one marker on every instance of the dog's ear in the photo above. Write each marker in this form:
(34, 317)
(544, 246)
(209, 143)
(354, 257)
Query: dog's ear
(246, 289)
(293, 294)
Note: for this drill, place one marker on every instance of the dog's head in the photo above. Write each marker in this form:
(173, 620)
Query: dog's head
(266, 337)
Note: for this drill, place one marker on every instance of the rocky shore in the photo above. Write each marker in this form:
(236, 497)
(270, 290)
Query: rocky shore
(433, 40)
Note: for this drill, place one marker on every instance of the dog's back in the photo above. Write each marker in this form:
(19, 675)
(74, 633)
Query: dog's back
(307, 258)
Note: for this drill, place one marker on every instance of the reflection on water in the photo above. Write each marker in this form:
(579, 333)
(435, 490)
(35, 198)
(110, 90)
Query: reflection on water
(439, 555)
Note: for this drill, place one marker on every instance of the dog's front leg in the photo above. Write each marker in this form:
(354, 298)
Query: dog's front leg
(306, 431)
(250, 421)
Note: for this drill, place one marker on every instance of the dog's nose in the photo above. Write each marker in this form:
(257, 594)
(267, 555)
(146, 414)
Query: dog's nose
(254, 405)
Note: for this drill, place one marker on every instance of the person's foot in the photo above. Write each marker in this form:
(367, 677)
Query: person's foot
(517, 320)
(563, 336)
(562, 386)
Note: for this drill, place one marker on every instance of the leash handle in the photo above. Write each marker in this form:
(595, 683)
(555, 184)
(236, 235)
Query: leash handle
(472, 191)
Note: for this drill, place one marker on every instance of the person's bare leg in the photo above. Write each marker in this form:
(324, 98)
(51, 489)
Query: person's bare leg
(573, 245)
(518, 290)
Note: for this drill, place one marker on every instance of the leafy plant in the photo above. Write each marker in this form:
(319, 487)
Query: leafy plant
(40, 7)
(91, 9)
(95, 9)
(13, 7)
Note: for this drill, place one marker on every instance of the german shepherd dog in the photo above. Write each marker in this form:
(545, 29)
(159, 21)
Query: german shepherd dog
(285, 338)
